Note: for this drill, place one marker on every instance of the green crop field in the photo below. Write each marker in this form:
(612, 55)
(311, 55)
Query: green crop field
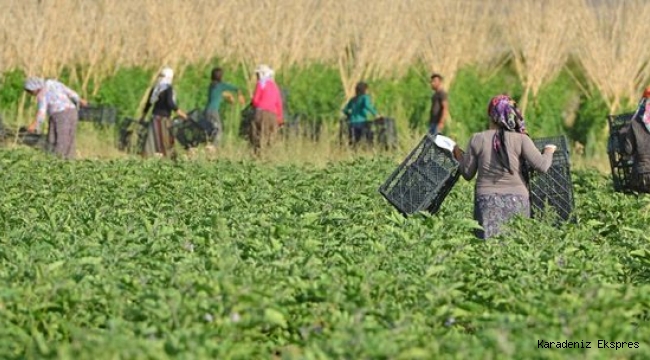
(296, 255)
(132, 259)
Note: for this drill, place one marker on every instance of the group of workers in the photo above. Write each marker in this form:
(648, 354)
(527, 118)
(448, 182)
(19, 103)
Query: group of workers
(61, 103)
(494, 156)
(266, 101)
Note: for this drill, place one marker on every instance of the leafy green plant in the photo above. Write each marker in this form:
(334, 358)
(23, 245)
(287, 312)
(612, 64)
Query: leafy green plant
(154, 259)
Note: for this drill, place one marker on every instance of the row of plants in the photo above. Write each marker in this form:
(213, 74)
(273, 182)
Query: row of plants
(238, 260)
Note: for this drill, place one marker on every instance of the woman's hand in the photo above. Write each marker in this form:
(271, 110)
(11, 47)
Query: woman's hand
(228, 97)
(550, 148)
(458, 153)
(32, 127)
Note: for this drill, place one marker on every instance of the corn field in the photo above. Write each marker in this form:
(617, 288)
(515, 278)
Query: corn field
(363, 41)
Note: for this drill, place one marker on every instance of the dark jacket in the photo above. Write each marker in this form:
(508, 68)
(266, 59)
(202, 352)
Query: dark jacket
(165, 105)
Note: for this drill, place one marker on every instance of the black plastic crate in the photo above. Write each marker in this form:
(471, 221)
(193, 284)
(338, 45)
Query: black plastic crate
(555, 187)
(101, 115)
(621, 163)
(196, 130)
(385, 130)
(30, 139)
(124, 134)
(131, 135)
(423, 180)
(298, 126)
(23, 137)
(247, 115)
(380, 131)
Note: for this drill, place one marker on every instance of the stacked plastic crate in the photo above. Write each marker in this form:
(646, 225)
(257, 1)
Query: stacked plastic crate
(620, 162)
(555, 187)
(382, 132)
(100, 115)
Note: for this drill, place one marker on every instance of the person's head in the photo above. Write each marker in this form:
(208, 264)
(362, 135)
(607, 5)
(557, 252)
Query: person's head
(436, 81)
(264, 72)
(166, 75)
(217, 74)
(33, 85)
(503, 113)
(361, 88)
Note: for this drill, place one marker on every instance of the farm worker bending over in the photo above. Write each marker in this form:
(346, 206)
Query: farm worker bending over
(162, 98)
(267, 102)
(59, 102)
(216, 92)
(356, 111)
(637, 143)
(439, 105)
(495, 154)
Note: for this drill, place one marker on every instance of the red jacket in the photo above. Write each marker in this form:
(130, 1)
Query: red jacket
(267, 97)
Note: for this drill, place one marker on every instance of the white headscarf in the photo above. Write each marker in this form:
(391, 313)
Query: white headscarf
(34, 83)
(165, 79)
(265, 73)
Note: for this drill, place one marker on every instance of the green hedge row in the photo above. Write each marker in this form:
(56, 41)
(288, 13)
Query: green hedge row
(315, 91)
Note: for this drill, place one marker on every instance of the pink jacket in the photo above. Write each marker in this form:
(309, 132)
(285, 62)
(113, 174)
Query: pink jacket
(267, 97)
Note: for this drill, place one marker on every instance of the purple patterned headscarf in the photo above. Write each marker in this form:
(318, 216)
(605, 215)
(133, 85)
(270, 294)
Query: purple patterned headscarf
(503, 111)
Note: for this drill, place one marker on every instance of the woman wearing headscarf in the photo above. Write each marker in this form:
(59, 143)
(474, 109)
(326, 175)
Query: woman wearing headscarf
(496, 155)
(162, 98)
(60, 103)
(267, 102)
(637, 143)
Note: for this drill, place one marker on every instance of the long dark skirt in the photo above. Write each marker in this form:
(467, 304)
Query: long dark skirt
(159, 138)
(492, 210)
(61, 134)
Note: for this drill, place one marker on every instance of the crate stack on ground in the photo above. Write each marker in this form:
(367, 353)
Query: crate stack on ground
(381, 131)
(98, 114)
(126, 141)
(555, 187)
(21, 137)
(194, 131)
(622, 164)
(300, 126)
(423, 180)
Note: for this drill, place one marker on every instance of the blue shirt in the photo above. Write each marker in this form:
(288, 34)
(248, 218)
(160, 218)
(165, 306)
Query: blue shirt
(357, 109)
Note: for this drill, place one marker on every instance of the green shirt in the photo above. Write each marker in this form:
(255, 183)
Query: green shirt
(358, 108)
(215, 94)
